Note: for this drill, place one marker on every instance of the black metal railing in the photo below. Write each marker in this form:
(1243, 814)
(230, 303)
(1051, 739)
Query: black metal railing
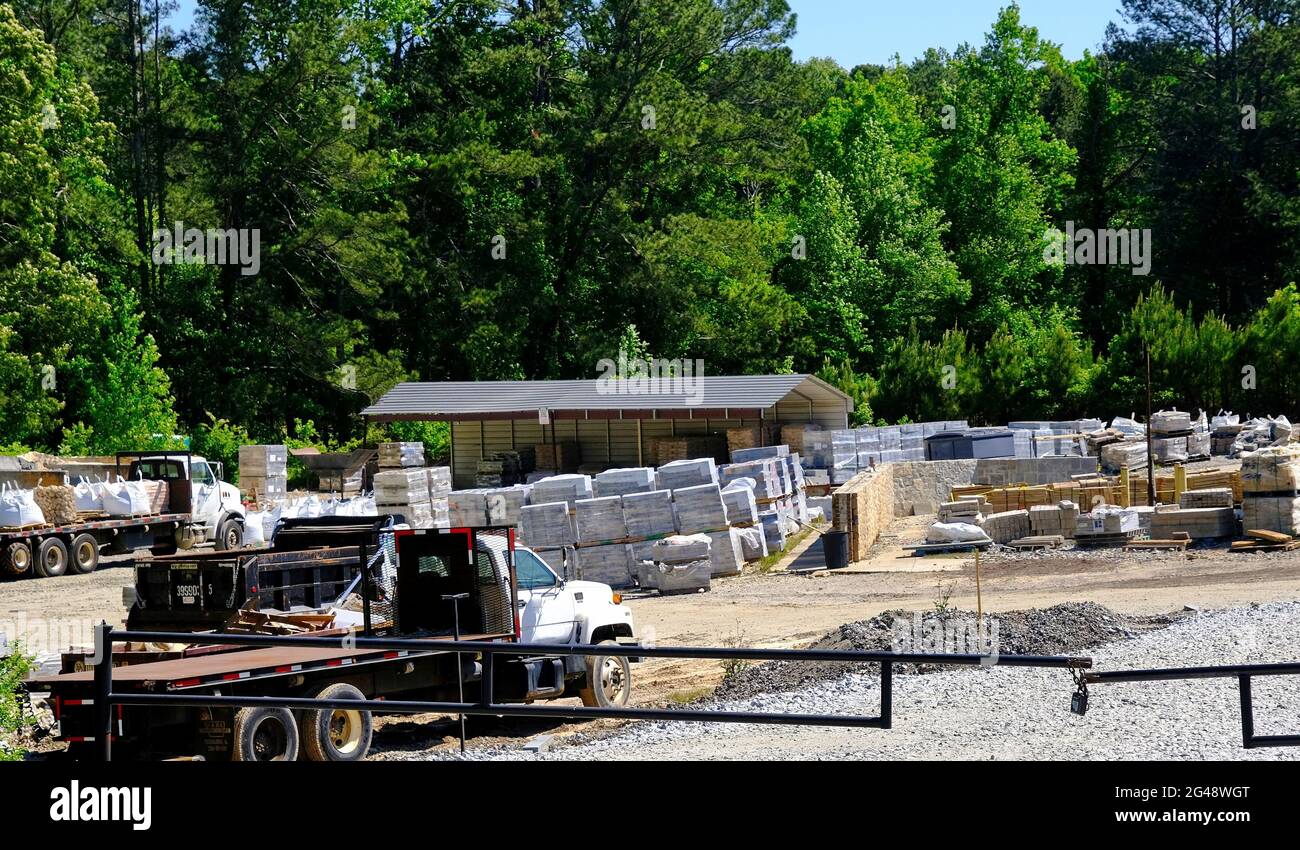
(1243, 673)
(105, 697)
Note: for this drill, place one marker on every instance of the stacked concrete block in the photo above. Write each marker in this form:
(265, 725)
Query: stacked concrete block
(1006, 526)
(1270, 485)
(1197, 523)
(760, 453)
(844, 452)
(620, 482)
(1169, 449)
(774, 530)
(962, 510)
(601, 520)
(546, 525)
(686, 473)
(405, 492)
(649, 514)
(467, 508)
(817, 449)
(1215, 497)
(699, 508)
(562, 488)
(1059, 519)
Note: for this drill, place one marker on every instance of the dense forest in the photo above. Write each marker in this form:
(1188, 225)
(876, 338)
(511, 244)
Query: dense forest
(481, 189)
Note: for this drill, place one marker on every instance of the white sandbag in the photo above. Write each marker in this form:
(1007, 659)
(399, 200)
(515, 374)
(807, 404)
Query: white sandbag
(255, 528)
(125, 498)
(18, 508)
(89, 496)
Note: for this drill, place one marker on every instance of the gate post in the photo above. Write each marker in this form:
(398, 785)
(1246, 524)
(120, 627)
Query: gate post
(103, 692)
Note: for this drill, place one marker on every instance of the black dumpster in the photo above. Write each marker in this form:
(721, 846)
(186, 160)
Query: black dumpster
(835, 546)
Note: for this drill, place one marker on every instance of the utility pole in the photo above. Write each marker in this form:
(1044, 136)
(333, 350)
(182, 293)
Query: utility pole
(1151, 464)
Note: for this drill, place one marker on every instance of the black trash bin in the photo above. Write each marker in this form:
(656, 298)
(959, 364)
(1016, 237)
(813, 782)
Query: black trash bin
(835, 546)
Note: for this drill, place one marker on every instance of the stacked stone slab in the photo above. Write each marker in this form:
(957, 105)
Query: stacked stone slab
(1132, 454)
(1197, 523)
(620, 482)
(1215, 497)
(649, 514)
(600, 520)
(1006, 526)
(686, 473)
(610, 565)
(546, 525)
(962, 510)
(740, 504)
(753, 542)
(1061, 518)
(562, 488)
(699, 509)
(405, 492)
(725, 555)
(467, 508)
(263, 473)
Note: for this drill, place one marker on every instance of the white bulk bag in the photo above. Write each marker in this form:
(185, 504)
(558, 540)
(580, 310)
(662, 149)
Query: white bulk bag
(89, 496)
(125, 498)
(270, 519)
(254, 528)
(310, 508)
(330, 507)
(18, 508)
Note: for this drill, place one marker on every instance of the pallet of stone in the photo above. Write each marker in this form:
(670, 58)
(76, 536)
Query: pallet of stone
(561, 456)
(1131, 454)
(255, 489)
(1273, 513)
(505, 503)
(499, 470)
(1037, 542)
(763, 472)
(760, 453)
(681, 548)
(699, 508)
(546, 525)
(686, 473)
(568, 488)
(264, 461)
(1171, 422)
(1197, 523)
(467, 508)
(416, 514)
(649, 515)
(670, 579)
(620, 482)
(753, 542)
(726, 557)
(402, 486)
(600, 519)
(1004, 526)
(1214, 497)
(611, 565)
(665, 450)
(962, 510)
(397, 455)
(742, 508)
(1059, 519)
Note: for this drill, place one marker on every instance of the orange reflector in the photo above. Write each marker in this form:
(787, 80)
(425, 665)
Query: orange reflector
(618, 599)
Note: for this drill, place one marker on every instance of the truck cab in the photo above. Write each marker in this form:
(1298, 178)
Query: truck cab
(197, 488)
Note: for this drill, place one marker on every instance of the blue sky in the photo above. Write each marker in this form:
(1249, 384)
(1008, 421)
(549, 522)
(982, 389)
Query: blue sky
(853, 32)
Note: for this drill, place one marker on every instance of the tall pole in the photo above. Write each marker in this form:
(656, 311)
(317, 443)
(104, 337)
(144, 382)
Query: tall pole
(1151, 465)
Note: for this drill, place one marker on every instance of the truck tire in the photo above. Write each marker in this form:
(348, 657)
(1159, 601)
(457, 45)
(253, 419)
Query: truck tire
(84, 554)
(338, 734)
(16, 559)
(230, 535)
(265, 734)
(609, 680)
(51, 558)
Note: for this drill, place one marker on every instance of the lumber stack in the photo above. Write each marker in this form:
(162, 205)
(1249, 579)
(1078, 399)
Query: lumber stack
(559, 457)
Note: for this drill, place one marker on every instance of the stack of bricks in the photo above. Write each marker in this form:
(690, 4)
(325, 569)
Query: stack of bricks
(1006, 526)
(963, 510)
(1216, 497)
(1197, 523)
(1059, 519)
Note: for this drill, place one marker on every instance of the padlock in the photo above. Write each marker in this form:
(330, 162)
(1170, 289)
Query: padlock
(1079, 703)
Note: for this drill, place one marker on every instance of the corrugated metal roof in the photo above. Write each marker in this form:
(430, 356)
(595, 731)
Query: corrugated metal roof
(471, 399)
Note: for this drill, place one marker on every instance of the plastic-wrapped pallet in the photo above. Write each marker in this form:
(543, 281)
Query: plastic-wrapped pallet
(546, 525)
(686, 473)
(620, 482)
(562, 488)
(605, 564)
(725, 553)
(504, 504)
(401, 486)
(767, 480)
(1270, 513)
(1170, 422)
(1273, 470)
(1119, 455)
(759, 453)
(467, 508)
(1169, 450)
(393, 455)
(817, 449)
(740, 504)
(844, 450)
(649, 514)
(687, 577)
(600, 520)
(699, 508)
(416, 514)
(1198, 444)
(1006, 526)
(681, 548)
(753, 543)
(255, 489)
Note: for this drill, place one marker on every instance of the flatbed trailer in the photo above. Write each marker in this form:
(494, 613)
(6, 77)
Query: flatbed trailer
(451, 584)
(49, 550)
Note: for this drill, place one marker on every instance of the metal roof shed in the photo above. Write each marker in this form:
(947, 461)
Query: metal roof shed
(612, 421)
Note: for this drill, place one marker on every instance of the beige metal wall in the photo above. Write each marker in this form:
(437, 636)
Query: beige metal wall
(608, 442)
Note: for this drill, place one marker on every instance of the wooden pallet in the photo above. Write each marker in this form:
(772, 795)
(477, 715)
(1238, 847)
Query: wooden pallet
(1179, 545)
(1036, 542)
(1262, 540)
(28, 527)
(964, 546)
(1097, 541)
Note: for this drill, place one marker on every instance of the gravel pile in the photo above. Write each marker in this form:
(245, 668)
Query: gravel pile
(1013, 714)
(1058, 630)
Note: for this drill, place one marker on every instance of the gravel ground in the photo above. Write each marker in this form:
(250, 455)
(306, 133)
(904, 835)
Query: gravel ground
(1009, 714)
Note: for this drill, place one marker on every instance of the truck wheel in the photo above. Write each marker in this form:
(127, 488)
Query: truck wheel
(265, 734)
(84, 553)
(609, 680)
(230, 535)
(16, 559)
(338, 734)
(51, 558)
